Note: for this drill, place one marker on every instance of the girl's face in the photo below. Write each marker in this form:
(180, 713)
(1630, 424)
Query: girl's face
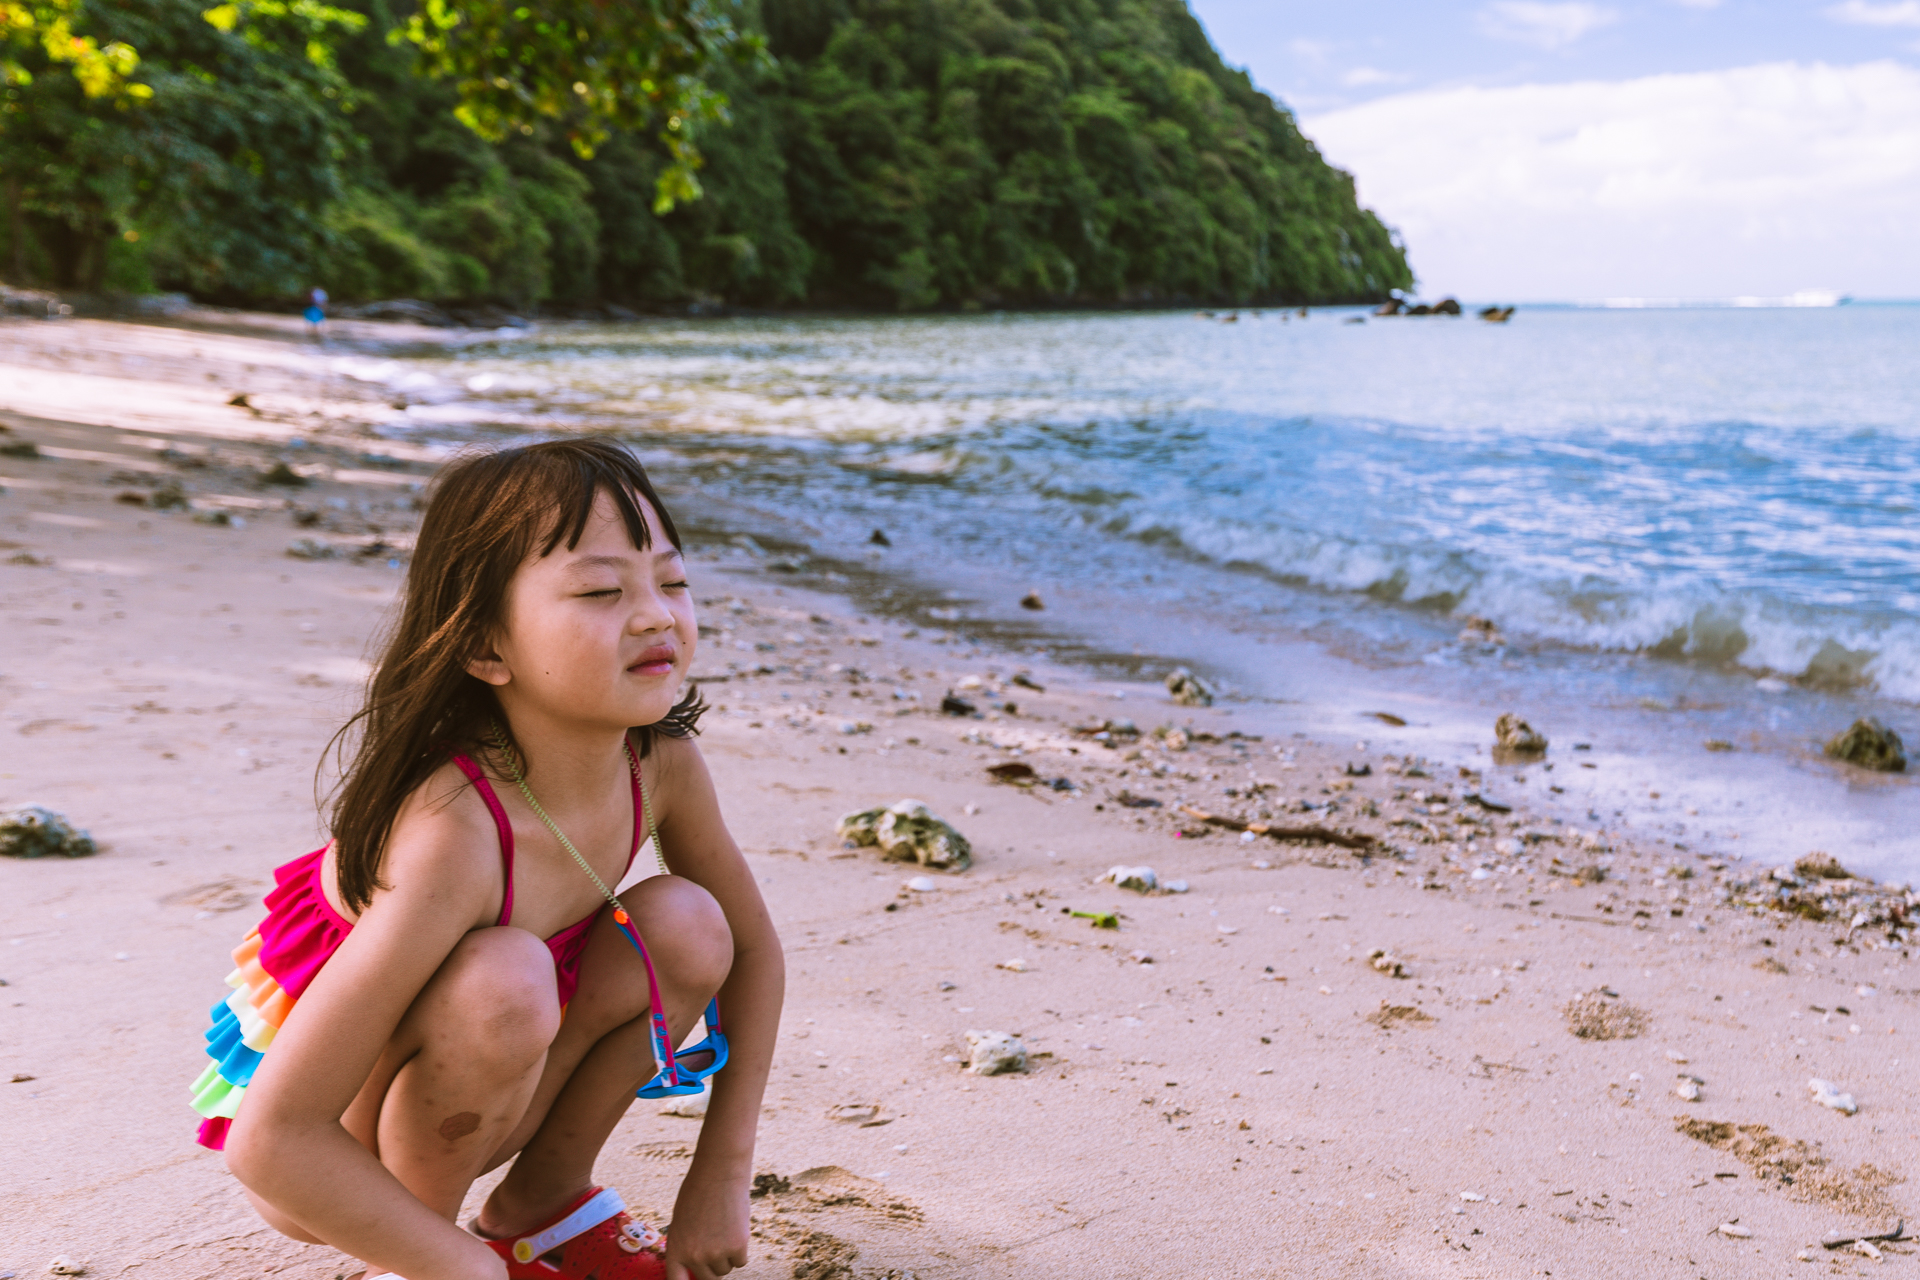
(597, 636)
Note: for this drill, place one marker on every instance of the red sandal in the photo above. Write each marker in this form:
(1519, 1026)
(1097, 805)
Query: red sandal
(594, 1238)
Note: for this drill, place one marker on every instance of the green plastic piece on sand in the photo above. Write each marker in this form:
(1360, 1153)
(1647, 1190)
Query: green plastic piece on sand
(1101, 919)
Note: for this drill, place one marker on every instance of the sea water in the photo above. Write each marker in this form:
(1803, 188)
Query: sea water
(1665, 526)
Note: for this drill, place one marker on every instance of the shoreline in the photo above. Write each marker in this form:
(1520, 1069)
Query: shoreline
(1246, 1102)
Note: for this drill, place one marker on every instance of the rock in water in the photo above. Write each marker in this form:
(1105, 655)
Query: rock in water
(1871, 745)
(1188, 689)
(1518, 738)
(995, 1053)
(1032, 600)
(908, 831)
(35, 832)
(880, 538)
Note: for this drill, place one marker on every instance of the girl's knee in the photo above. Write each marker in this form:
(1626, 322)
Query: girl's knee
(684, 928)
(499, 989)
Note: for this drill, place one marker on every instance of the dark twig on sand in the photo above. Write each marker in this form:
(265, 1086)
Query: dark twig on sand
(1844, 1241)
(1323, 835)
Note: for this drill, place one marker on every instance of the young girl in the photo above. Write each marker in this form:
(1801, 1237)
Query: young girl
(449, 984)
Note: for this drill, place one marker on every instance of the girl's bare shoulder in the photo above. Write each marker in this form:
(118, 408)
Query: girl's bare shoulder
(446, 833)
(674, 764)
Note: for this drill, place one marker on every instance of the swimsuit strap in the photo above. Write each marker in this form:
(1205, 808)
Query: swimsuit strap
(499, 813)
(643, 829)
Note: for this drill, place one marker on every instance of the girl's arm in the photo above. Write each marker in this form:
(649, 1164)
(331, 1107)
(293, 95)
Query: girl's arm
(290, 1149)
(710, 1217)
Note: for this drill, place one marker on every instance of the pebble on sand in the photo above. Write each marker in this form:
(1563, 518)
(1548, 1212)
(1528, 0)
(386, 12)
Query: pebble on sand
(1385, 962)
(33, 831)
(995, 1053)
(1514, 737)
(1188, 689)
(309, 549)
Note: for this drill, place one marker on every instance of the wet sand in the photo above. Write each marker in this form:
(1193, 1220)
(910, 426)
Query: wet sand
(1258, 1099)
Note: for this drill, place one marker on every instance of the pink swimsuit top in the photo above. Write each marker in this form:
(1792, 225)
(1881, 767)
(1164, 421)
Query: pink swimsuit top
(302, 930)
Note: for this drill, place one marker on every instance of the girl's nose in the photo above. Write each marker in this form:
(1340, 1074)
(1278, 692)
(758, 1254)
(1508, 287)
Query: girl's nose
(656, 616)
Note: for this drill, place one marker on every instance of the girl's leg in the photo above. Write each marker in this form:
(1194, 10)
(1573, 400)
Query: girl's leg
(603, 1052)
(471, 1052)
(459, 1072)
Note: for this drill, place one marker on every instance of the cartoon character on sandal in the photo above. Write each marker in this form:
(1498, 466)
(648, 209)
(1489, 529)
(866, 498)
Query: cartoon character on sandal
(451, 984)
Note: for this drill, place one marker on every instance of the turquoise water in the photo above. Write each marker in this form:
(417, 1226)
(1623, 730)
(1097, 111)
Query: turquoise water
(1728, 487)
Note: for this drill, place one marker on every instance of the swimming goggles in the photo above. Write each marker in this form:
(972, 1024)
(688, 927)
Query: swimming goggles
(674, 1078)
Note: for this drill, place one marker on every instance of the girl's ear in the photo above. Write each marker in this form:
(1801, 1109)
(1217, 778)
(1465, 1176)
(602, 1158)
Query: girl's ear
(489, 666)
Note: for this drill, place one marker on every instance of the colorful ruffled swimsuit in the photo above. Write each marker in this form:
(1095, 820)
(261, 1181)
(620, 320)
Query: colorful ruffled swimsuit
(298, 937)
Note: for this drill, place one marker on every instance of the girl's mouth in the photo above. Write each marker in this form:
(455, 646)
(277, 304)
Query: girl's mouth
(657, 661)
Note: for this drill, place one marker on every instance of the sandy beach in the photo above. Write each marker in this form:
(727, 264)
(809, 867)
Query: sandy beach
(1227, 1083)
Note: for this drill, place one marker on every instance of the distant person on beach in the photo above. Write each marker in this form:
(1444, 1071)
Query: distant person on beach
(450, 983)
(316, 310)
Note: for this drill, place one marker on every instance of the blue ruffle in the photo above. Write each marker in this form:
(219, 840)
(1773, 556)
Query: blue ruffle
(236, 1061)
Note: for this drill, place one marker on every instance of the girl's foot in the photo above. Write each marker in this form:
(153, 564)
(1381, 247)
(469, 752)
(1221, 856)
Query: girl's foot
(592, 1238)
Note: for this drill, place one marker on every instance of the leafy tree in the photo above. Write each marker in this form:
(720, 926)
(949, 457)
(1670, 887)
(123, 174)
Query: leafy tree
(595, 66)
(226, 165)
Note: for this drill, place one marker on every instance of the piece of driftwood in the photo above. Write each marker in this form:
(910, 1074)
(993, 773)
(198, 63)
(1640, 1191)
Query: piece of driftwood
(1895, 1234)
(1323, 835)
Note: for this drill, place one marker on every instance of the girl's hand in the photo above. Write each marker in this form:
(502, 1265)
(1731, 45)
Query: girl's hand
(708, 1235)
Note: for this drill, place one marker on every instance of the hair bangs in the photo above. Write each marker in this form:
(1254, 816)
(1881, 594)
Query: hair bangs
(620, 476)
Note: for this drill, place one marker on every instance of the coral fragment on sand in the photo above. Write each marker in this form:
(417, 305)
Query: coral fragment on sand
(33, 831)
(995, 1053)
(908, 831)
(1594, 1015)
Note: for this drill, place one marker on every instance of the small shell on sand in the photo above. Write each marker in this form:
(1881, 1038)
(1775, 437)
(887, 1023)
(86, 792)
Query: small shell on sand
(65, 1266)
(690, 1105)
(1687, 1089)
(1139, 879)
(1827, 1094)
(1015, 965)
(1734, 1231)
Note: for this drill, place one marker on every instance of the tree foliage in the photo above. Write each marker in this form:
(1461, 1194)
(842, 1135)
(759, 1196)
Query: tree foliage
(591, 65)
(899, 154)
(224, 168)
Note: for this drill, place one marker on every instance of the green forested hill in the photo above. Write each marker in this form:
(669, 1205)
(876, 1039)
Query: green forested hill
(892, 154)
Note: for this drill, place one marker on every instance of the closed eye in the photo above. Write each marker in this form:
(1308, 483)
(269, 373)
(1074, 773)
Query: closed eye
(601, 594)
(675, 586)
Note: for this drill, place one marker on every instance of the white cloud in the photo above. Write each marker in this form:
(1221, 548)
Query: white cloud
(1865, 13)
(1698, 4)
(1364, 77)
(1550, 26)
(1310, 50)
(1758, 180)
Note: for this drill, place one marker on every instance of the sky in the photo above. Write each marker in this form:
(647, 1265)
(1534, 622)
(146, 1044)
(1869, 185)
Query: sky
(1534, 150)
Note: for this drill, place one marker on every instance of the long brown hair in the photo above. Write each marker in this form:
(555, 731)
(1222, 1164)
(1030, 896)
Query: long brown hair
(489, 512)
